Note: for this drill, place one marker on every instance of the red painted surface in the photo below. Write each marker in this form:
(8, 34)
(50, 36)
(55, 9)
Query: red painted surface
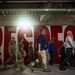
(7, 38)
(54, 34)
(27, 30)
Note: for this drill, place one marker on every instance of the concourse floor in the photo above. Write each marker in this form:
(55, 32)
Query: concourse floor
(54, 71)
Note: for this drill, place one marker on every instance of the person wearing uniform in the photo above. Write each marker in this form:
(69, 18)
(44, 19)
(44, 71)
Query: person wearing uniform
(21, 54)
(30, 52)
(69, 50)
(12, 50)
(41, 52)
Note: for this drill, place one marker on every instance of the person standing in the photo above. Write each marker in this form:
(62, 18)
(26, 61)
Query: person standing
(41, 43)
(51, 51)
(12, 50)
(69, 48)
(61, 52)
(21, 54)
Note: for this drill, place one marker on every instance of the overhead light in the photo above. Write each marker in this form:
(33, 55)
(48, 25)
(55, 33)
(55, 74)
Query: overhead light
(24, 21)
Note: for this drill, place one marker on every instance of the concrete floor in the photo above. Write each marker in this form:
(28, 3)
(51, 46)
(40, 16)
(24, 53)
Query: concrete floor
(54, 71)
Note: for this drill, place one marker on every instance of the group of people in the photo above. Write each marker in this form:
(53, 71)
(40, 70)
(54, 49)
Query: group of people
(20, 54)
(64, 53)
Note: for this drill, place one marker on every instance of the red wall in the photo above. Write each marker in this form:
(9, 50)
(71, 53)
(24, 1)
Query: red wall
(51, 32)
(28, 32)
(54, 31)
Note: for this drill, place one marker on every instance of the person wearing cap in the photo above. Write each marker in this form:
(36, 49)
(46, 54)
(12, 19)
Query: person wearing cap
(69, 50)
(12, 50)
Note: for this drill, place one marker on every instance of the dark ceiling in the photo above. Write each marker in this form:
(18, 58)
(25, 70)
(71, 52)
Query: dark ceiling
(43, 12)
(36, 4)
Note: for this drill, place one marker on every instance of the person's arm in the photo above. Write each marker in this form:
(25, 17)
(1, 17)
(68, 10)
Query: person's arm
(49, 47)
(70, 41)
(21, 48)
(39, 44)
(59, 52)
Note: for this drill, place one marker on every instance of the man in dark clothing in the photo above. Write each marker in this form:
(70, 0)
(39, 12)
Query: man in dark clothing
(51, 50)
(69, 48)
(61, 52)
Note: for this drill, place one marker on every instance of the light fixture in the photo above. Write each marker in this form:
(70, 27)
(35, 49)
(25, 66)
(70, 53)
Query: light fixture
(24, 21)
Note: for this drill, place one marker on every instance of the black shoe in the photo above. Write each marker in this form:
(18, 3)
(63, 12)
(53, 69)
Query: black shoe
(31, 67)
(62, 69)
(50, 64)
(26, 64)
(46, 70)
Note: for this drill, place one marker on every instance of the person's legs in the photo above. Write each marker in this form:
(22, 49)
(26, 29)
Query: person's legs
(22, 64)
(43, 56)
(68, 56)
(32, 64)
(51, 58)
(62, 66)
(28, 60)
(62, 58)
(10, 59)
(14, 61)
(5, 63)
(21, 61)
